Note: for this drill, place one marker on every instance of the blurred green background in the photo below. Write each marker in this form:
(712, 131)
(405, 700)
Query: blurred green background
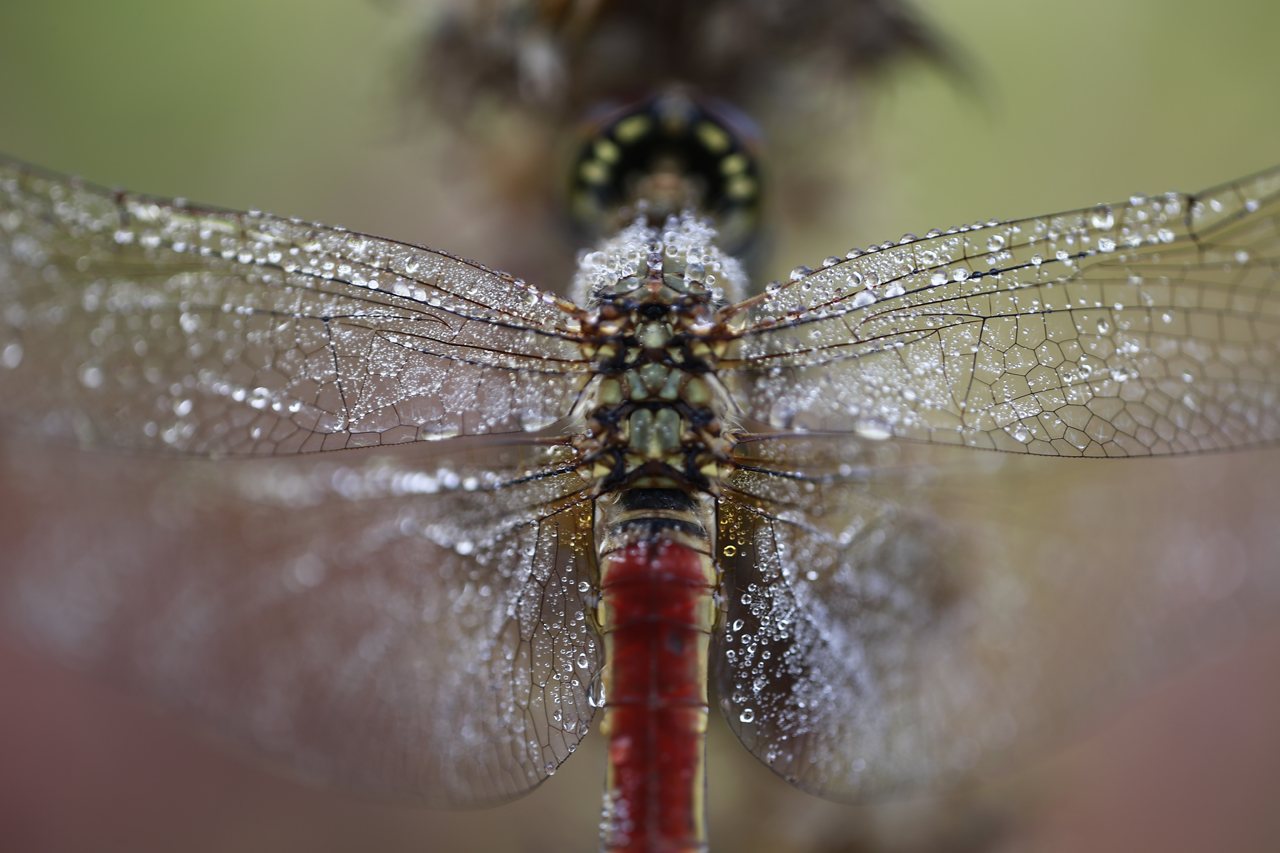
(304, 109)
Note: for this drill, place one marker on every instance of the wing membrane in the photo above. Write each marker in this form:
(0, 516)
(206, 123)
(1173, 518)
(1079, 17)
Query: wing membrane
(895, 621)
(1149, 327)
(130, 321)
(409, 631)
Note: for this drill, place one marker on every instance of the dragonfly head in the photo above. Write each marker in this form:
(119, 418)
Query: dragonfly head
(656, 158)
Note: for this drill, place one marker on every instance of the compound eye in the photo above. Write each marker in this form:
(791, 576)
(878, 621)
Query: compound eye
(662, 156)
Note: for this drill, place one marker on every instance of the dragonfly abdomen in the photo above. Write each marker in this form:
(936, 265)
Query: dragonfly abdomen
(657, 611)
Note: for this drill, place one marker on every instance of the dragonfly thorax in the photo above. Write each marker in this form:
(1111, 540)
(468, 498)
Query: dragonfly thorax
(655, 413)
(682, 253)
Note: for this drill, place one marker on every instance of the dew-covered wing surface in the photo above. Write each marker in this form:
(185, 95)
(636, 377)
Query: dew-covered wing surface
(1148, 327)
(136, 322)
(397, 626)
(904, 616)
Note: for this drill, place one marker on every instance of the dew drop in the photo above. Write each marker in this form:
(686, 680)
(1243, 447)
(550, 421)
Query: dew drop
(90, 376)
(873, 430)
(11, 357)
(748, 715)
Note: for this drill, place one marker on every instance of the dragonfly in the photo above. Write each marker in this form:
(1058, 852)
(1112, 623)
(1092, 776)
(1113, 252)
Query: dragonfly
(408, 526)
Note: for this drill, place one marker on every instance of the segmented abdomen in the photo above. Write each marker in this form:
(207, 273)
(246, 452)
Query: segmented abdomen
(656, 613)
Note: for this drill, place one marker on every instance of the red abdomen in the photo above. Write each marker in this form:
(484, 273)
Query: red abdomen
(657, 611)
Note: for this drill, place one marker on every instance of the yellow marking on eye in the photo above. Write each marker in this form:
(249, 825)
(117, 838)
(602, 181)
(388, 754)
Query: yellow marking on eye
(594, 172)
(607, 151)
(632, 128)
(740, 188)
(714, 138)
(733, 164)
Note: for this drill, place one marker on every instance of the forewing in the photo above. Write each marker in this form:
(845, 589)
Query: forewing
(383, 623)
(136, 322)
(1149, 327)
(907, 616)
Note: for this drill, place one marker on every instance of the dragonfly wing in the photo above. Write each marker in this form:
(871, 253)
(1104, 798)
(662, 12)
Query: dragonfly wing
(402, 630)
(136, 322)
(901, 616)
(1149, 327)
